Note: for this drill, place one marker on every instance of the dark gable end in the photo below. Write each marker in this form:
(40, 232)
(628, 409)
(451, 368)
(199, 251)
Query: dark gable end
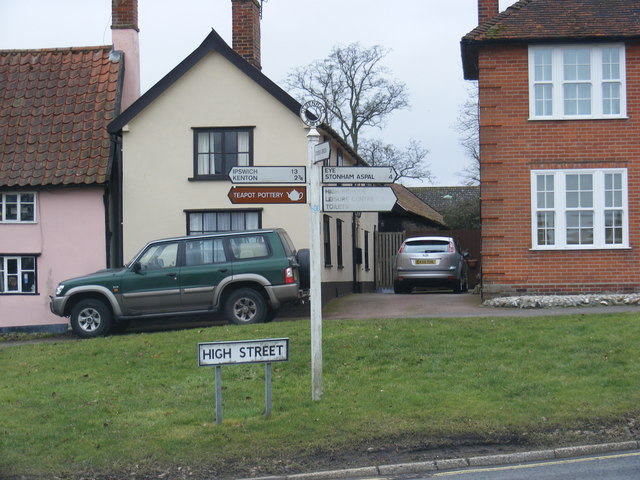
(561, 21)
(213, 42)
(55, 105)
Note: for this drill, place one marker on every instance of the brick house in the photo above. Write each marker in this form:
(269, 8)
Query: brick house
(559, 99)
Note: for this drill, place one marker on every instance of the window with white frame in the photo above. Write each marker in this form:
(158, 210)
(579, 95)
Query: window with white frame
(577, 82)
(200, 223)
(17, 274)
(17, 207)
(218, 150)
(579, 209)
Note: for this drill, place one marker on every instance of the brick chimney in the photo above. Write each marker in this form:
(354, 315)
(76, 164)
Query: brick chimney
(487, 9)
(124, 35)
(246, 30)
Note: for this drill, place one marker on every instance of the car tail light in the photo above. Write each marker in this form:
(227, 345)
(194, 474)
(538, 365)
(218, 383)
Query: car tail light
(288, 275)
(401, 248)
(452, 247)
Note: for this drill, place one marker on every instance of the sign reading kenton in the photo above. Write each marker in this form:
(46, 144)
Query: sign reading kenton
(268, 175)
(250, 351)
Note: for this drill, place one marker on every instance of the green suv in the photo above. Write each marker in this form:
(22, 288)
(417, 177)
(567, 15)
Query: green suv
(247, 275)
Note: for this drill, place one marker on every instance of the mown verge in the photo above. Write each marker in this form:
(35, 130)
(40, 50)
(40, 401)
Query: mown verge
(138, 405)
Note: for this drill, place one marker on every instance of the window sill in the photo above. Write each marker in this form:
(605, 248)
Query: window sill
(579, 248)
(577, 118)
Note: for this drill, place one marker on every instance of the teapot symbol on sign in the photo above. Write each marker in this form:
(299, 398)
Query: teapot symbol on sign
(294, 195)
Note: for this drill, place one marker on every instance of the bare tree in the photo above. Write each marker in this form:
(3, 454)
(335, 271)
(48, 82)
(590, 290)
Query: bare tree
(354, 87)
(408, 163)
(468, 125)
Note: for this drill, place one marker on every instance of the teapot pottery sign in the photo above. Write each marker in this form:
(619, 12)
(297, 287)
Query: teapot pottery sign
(267, 195)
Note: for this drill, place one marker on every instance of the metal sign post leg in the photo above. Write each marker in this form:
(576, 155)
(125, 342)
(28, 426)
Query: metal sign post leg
(218, 395)
(267, 389)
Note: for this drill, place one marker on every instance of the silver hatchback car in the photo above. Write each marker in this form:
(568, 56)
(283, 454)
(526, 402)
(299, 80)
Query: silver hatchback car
(430, 262)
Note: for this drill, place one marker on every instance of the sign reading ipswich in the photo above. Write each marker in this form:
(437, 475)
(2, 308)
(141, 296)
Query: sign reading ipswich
(358, 199)
(268, 175)
(247, 351)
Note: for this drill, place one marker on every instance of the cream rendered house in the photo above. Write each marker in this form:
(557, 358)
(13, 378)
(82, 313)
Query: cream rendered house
(216, 110)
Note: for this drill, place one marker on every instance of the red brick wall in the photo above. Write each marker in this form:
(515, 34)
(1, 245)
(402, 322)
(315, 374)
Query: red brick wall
(124, 14)
(512, 146)
(246, 30)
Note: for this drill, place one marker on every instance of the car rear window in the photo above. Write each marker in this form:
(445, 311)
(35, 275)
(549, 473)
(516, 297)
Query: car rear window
(426, 246)
(249, 246)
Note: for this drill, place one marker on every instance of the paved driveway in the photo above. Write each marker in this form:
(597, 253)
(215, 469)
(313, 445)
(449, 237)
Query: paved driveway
(440, 304)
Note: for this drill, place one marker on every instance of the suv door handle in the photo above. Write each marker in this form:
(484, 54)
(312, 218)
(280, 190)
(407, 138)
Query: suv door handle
(171, 275)
(223, 270)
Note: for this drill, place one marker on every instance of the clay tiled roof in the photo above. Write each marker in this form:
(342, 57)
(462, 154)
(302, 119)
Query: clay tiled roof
(533, 21)
(443, 198)
(409, 202)
(54, 109)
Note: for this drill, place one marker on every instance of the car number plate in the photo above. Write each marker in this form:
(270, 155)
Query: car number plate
(427, 261)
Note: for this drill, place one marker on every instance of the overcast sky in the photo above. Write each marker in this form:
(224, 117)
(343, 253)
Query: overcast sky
(423, 35)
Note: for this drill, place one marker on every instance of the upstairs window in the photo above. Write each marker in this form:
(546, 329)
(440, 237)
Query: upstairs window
(577, 82)
(578, 209)
(17, 207)
(218, 150)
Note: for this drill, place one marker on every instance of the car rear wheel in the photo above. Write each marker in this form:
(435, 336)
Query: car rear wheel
(461, 285)
(91, 318)
(245, 306)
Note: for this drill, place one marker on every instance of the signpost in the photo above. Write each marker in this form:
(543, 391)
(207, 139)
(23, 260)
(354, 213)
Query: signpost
(259, 194)
(358, 174)
(358, 199)
(268, 175)
(249, 351)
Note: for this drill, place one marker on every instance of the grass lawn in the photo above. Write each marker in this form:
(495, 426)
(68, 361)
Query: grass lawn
(139, 405)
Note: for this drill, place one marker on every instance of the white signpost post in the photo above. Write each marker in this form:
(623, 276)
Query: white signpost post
(250, 351)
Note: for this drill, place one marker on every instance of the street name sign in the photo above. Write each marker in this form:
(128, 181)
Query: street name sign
(267, 351)
(268, 175)
(358, 174)
(246, 351)
(358, 199)
(260, 194)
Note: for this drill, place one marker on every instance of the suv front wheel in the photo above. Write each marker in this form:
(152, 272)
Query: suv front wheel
(245, 306)
(90, 318)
